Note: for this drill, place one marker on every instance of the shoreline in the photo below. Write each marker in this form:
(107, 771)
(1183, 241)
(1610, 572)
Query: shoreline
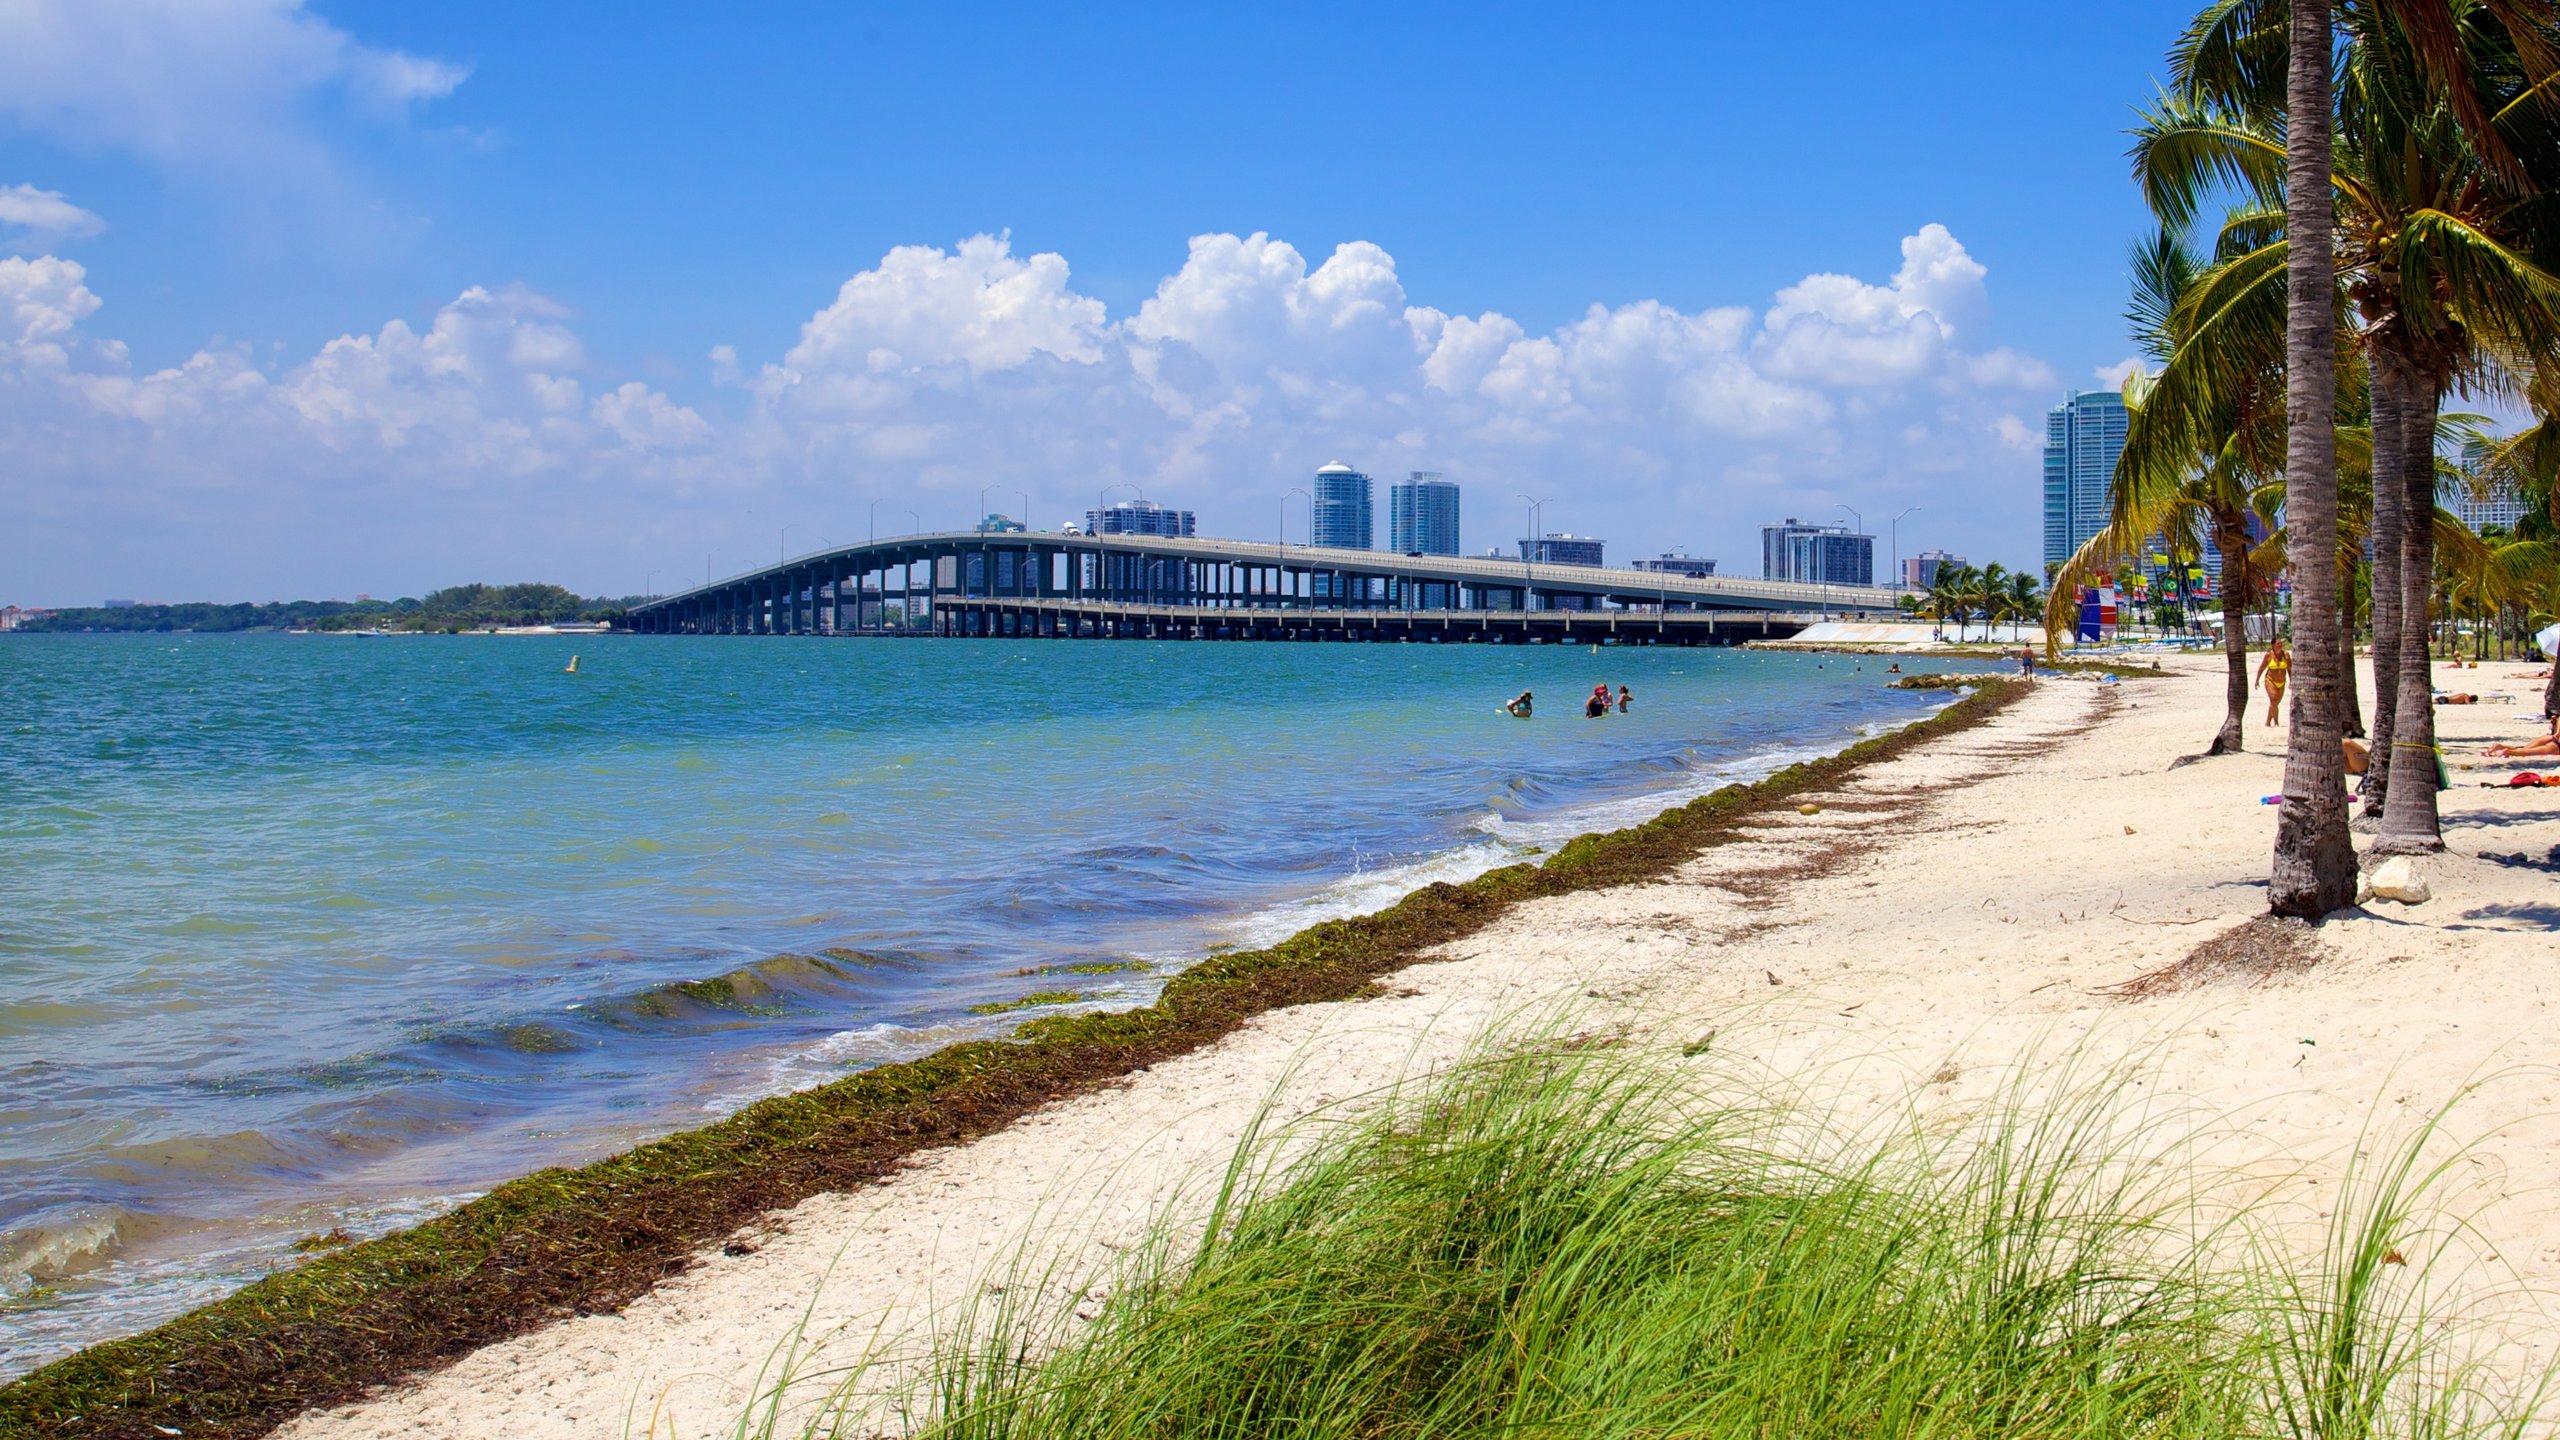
(1967, 910)
(592, 1239)
(780, 1012)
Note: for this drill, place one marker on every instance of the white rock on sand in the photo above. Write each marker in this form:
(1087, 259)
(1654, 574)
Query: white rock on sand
(1941, 917)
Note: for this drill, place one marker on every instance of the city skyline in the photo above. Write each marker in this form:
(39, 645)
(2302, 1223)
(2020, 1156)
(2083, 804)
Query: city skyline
(336, 296)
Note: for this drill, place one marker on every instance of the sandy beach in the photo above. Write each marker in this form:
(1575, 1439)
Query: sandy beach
(1949, 912)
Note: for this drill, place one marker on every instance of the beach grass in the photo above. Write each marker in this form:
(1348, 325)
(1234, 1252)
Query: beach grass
(1568, 1242)
(569, 1241)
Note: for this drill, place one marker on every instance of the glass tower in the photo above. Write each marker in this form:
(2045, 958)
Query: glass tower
(1422, 515)
(2082, 438)
(1343, 518)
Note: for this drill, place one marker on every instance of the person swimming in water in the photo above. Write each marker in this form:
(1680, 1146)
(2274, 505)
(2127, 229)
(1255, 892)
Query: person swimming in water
(1519, 708)
(1598, 704)
(1626, 697)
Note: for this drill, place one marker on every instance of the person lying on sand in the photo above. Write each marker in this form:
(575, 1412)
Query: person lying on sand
(2458, 697)
(2546, 745)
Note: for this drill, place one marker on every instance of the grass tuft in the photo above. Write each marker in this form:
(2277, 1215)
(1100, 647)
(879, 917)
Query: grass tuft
(1565, 1243)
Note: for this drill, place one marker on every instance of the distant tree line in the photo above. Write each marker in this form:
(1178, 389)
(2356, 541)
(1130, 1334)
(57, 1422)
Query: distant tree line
(456, 607)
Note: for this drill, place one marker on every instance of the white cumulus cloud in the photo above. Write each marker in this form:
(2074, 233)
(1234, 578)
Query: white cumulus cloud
(191, 82)
(489, 431)
(36, 219)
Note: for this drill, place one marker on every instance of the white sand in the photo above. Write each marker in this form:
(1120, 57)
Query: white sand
(1956, 937)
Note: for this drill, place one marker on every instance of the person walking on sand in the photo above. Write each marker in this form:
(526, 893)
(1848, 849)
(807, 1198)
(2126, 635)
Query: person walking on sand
(1626, 697)
(2272, 673)
(2027, 661)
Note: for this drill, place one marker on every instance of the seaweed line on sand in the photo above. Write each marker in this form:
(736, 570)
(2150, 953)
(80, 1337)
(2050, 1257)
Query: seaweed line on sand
(566, 1242)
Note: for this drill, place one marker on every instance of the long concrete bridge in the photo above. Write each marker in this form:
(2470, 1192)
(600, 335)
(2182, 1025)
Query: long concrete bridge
(1036, 582)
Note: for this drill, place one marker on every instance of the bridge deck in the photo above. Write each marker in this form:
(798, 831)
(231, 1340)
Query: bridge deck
(925, 572)
(1070, 619)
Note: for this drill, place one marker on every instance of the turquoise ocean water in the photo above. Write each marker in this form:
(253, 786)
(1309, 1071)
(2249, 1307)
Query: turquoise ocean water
(310, 931)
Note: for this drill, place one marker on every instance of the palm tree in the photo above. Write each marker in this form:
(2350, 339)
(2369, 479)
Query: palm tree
(2528, 465)
(2204, 435)
(2443, 139)
(1947, 590)
(1985, 585)
(2025, 596)
(2314, 869)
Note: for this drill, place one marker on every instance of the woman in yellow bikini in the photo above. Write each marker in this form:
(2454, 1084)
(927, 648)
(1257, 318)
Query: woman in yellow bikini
(2272, 672)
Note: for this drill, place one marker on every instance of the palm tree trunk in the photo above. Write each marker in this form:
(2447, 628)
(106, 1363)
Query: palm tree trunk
(2350, 710)
(2231, 541)
(2390, 500)
(2409, 814)
(2314, 868)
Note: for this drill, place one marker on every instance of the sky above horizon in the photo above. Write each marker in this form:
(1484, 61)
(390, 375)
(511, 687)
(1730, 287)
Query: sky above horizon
(308, 300)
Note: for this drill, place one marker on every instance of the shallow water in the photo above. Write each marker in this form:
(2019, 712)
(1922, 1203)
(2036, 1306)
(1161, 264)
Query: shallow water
(311, 931)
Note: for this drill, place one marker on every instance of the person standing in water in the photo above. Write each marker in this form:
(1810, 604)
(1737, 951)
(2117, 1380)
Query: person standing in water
(1598, 704)
(1626, 697)
(1519, 708)
(2273, 671)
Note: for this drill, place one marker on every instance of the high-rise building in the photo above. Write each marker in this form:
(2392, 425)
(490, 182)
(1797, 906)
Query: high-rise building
(1422, 515)
(1138, 517)
(2500, 506)
(1342, 515)
(2082, 438)
(1672, 562)
(1816, 554)
(1920, 571)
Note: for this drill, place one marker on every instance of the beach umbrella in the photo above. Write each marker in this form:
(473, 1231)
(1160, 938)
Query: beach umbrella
(2549, 640)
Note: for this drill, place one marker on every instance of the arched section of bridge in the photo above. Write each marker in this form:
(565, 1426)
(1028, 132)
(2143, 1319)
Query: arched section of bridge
(1035, 583)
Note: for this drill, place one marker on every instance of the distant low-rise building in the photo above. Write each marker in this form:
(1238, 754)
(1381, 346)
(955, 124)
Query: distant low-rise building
(1921, 571)
(13, 616)
(1672, 562)
(1559, 548)
(1138, 517)
(1001, 525)
(1816, 554)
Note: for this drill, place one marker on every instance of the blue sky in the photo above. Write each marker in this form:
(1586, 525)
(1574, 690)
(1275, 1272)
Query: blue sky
(617, 242)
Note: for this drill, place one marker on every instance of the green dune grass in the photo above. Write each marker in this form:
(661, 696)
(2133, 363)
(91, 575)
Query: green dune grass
(1565, 1243)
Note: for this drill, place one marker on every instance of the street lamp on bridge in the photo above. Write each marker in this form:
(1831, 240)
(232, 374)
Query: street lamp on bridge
(1893, 537)
(1871, 555)
(1536, 545)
